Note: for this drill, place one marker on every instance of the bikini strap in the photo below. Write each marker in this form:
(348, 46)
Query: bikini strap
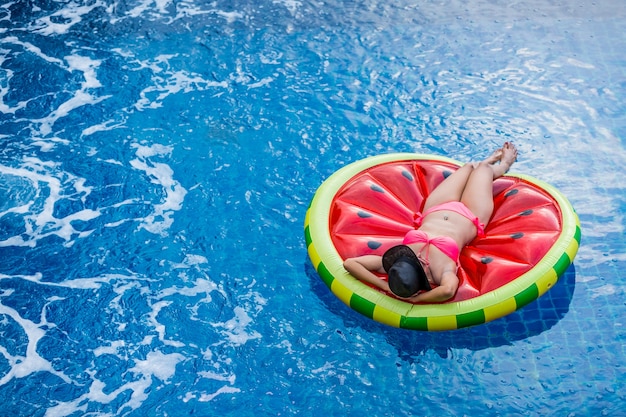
(480, 227)
(426, 258)
(417, 219)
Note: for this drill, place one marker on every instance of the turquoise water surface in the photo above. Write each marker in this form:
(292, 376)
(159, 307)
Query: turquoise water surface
(157, 159)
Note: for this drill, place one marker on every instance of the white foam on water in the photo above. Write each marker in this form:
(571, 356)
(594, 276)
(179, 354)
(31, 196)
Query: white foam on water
(32, 362)
(7, 75)
(191, 293)
(33, 278)
(162, 9)
(234, 330)
(194, 259)
(41, 222)
(173, 82)
(217, 377)
(102, 127)
(261, 83)
(160, 365)
(4, 88)
(156, 364)
(90, 283)
(35, 50)
(201, 286)
(112, 349)
(222, 390)
(161, 174)
(229, 16)
(233, 333)
(291, 5)
(159, 327)
(61, 21)
(148, 6)
(82, 97)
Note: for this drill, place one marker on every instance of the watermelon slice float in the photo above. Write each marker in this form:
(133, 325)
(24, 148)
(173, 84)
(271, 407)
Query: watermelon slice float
(368, 206)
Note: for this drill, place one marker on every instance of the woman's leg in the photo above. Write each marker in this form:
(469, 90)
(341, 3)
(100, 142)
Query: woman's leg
(478, 193)
(451, 189)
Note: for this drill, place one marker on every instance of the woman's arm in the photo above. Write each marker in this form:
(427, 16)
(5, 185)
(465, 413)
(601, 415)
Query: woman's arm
(361, 268)
(445, 291)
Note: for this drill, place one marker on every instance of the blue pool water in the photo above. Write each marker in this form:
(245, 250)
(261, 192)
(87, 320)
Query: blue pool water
(157, 158)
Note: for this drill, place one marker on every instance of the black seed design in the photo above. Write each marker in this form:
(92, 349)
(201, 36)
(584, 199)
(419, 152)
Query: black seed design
(377, 188)
(364, 215)
(486, 260)
(407, 175)
(372, 244)
(526, 212)
(511, 192)
(518, 235)
(446, 174)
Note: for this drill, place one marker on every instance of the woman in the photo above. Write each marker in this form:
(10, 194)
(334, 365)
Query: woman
(454, 214)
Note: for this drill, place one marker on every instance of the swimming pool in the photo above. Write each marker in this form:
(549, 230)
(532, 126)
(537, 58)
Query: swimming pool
(158, 158)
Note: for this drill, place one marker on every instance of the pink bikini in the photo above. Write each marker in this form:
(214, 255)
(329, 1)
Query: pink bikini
(445, 244)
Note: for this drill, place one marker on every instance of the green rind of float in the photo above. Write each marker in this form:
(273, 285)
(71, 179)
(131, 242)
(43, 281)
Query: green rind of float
(527, 296)
(562, 264)
(414, 323)
(362, 305)
(307, 236)
(470, 319)
(325, 274)
(453, 315)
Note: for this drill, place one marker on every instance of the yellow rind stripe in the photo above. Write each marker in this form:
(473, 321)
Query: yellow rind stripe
(501, 309)
(314, 256)
(387, 317)
(442, 323)
(546, 282)
(343, 293)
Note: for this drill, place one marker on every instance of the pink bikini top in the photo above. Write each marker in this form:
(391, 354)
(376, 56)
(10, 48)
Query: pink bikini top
(445, 244)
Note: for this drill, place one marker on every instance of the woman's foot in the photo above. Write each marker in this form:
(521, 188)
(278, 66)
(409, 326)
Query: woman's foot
(494, 157)
(509, 155)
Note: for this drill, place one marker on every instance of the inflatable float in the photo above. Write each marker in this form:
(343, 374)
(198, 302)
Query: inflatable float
(368, 206)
